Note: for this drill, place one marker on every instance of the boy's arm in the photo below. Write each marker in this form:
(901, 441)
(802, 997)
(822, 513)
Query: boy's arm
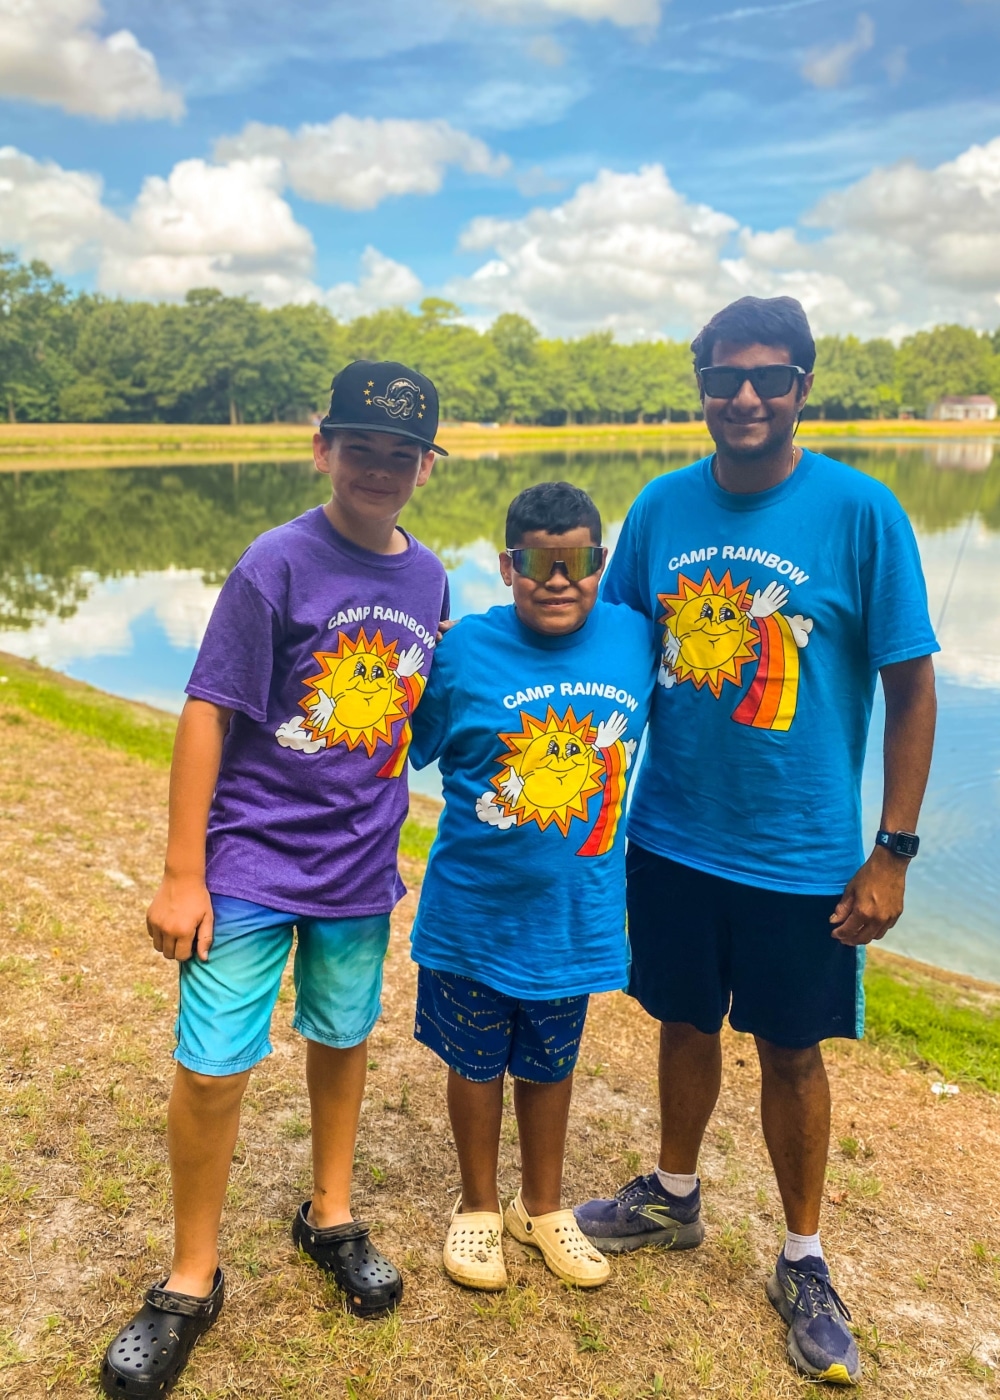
(179, 920)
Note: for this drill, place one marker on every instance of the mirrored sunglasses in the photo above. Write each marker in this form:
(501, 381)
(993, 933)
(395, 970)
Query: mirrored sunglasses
(769, 381)
(578, 562)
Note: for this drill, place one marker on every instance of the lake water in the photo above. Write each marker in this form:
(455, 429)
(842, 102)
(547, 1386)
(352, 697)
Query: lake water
(110, 576)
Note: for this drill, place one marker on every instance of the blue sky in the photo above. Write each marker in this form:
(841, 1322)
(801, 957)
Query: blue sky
(797, 115)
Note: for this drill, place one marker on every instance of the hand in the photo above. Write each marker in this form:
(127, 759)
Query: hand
(610, 730)
(768, 601)
(180, 919)
(445, 625)
(410, 661)
(671, 649)
(872, 902)
(665, 678)
(321, 711)
(629, 746)
(512, 786)
(801, 627)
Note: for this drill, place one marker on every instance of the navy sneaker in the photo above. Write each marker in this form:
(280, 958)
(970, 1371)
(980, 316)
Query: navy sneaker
(642, 1213)
(819, 1343)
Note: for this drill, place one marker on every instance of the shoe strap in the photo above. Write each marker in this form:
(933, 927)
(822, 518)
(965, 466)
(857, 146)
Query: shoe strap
(183, 1304)
(337, 1234)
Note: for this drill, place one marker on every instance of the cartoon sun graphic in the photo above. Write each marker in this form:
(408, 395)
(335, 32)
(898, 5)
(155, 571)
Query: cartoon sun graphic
(709, 635)
(550, 771)
(356, 696)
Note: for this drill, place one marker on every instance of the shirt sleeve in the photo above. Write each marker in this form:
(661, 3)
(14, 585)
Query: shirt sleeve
(622, 580)
(446, 601)
(897, 623)
(430, 720)
(234, 663)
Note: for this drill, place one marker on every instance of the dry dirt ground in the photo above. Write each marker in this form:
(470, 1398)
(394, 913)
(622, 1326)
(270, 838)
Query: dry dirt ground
(86, 1012)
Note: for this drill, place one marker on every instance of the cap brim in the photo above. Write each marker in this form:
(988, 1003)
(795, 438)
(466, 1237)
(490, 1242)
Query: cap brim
(389, 432)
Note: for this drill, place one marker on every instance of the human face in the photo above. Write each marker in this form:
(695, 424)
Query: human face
(372, 475)
(558, 605)
(747, 426)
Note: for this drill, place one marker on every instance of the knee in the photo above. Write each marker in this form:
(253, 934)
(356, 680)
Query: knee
(679, 1035)
(794, 1068)
(214, 1091)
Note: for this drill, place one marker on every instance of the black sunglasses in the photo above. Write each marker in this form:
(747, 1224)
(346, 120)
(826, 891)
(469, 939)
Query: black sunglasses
(769, 381)
(576, 561)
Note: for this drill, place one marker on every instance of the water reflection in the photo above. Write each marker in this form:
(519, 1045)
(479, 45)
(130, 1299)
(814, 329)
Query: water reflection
(110, 575)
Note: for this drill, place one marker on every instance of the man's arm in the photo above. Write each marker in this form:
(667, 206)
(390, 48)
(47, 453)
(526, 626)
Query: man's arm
(873, 901)
(180, 916)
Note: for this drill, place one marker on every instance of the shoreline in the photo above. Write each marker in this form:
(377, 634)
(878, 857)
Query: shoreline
(62, 446)
(146, 733)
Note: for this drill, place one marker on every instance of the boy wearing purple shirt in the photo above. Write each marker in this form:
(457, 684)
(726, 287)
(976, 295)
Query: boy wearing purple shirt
(287, 794)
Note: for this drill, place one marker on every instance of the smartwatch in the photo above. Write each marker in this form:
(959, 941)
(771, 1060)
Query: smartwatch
(900, 843)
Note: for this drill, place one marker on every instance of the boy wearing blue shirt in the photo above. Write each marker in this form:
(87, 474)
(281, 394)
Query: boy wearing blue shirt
(533, 711)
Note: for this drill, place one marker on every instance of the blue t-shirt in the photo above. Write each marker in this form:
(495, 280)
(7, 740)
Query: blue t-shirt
(777, 610)
(535, 736)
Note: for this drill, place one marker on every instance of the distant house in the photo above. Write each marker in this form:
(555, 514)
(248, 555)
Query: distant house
(969, 408)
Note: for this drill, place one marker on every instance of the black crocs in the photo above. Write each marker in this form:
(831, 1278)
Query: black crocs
(370, 1283)
(151, 1351)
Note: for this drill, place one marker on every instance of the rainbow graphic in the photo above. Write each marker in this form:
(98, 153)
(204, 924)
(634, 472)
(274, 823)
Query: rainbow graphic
(413, 687)
(602, 837)
(770, 702)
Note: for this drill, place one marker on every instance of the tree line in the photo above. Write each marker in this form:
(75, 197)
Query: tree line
(81, 357)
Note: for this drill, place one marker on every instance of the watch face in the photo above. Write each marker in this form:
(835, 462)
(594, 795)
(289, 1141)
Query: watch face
(906, 844)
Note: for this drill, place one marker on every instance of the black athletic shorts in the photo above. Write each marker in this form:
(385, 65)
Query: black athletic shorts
(704, 948)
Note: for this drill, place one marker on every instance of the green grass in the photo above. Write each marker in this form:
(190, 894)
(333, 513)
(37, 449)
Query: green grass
(28, 690)
(932, 1022)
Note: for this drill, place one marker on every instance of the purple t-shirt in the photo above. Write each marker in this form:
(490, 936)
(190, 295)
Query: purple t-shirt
(323, 649)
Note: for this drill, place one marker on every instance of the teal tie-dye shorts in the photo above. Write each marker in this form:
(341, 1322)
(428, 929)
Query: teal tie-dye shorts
(224, 1019)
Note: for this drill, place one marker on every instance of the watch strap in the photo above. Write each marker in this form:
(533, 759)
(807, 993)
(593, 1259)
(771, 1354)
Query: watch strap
(900, 843)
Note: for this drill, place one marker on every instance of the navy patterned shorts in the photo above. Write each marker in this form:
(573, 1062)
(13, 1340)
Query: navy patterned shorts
(481, 1033)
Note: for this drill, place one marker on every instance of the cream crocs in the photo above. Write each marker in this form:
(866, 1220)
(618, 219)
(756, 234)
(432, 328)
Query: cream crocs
(473, 1250)
(562, 1244)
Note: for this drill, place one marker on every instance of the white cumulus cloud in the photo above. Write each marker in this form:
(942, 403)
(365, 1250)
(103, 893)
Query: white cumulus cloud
(204, 225)
(828, 68)
(626, 252)
(383, 282)
(902, 248)
(51, 213)
(224, 226)
(357, 162)
(51, 52)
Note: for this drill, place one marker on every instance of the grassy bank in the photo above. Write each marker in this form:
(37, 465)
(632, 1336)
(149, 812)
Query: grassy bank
(34, 446)
(916, 1013)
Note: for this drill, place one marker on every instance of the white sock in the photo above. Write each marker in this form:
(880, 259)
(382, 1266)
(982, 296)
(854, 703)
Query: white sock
(798, 1246)
(677, 1183)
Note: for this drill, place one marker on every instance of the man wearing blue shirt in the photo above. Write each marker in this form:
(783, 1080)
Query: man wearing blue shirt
(784, 583)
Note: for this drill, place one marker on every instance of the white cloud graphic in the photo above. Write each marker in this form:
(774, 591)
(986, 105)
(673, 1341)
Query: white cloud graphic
(487, 811)
(291, 735)
(51, 53)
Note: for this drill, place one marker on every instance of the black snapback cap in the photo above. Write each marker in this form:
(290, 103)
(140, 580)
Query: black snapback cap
(383, 396)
